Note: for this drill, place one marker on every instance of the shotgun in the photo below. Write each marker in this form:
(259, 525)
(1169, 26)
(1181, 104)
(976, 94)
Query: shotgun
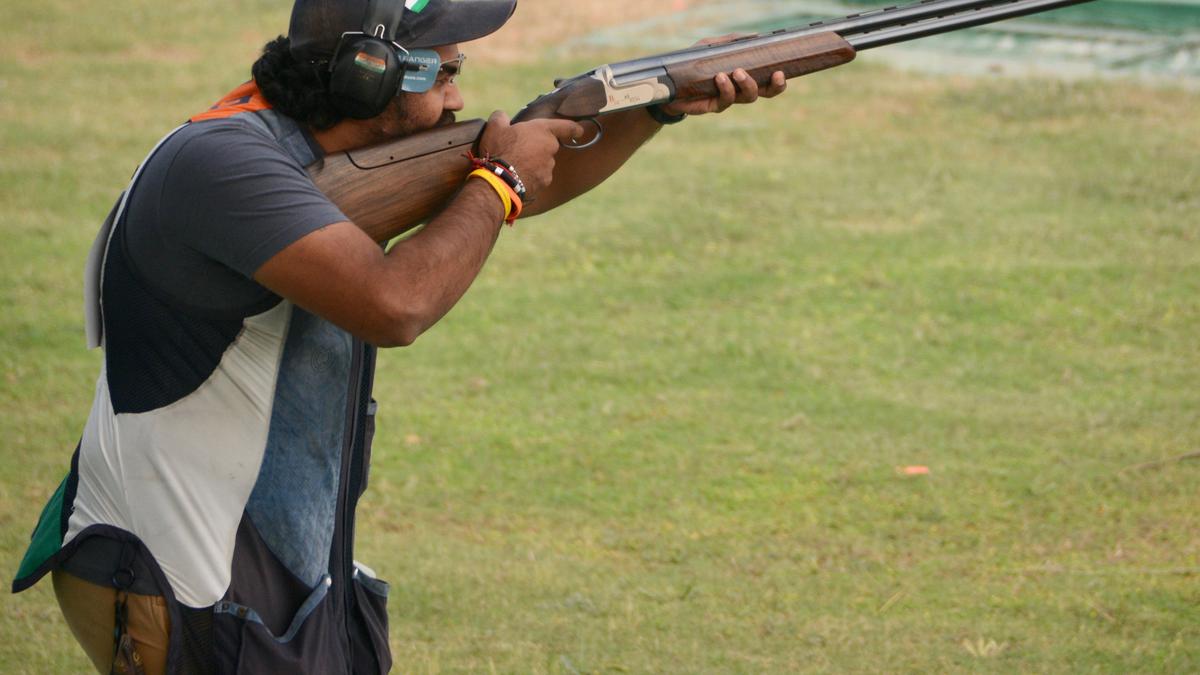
(394, 186)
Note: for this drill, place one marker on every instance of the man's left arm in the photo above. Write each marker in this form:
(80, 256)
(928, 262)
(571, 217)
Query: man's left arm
(578, 171)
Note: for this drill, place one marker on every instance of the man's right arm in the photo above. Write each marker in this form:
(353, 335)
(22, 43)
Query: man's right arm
(389, 299)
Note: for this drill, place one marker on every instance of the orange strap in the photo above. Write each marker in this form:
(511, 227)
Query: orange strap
(246, 98)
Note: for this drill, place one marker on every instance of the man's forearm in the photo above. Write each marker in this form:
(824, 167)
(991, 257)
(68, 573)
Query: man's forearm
(578, 171)
(438, 264)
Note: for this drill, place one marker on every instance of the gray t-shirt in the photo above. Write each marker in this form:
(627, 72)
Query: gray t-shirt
(218, 200)
(214, 203)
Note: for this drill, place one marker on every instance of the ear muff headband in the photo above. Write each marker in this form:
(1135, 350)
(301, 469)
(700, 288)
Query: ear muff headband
(365, 76)
(368, 67)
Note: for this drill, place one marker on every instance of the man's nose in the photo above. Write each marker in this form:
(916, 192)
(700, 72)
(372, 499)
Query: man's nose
(454, 100)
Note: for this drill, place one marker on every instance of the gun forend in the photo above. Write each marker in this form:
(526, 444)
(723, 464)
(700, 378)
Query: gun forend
(806, 54)
(687, 75)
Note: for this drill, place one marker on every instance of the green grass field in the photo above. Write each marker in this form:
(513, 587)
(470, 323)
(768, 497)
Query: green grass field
(662, 433)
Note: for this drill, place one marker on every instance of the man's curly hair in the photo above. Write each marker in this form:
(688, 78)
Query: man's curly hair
(293, 88)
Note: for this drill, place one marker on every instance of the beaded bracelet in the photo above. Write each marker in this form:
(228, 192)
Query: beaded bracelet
(503, 177)
(509, 174)
(502, 169)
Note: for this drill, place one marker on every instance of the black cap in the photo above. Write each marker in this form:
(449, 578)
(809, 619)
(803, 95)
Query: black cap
(318, 25)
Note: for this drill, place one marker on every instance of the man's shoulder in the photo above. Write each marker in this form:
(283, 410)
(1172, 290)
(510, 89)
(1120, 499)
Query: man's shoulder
(224, 192)
(238, 136)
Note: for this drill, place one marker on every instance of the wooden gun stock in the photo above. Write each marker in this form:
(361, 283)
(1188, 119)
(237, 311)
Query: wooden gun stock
(390, 188)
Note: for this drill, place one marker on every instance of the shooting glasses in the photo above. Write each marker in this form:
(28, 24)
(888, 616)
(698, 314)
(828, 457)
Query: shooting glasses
(423, 68)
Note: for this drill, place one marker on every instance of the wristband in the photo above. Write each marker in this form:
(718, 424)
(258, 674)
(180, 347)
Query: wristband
(512, 202)
(503, 170)
(661, 116)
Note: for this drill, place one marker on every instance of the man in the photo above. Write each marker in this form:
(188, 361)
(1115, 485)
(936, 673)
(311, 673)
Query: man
(207, 522)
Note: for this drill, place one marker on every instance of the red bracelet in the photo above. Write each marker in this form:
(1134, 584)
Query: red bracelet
(502, 169)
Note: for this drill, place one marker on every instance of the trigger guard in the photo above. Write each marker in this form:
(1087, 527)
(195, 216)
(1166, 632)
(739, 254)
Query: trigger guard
(595, 140)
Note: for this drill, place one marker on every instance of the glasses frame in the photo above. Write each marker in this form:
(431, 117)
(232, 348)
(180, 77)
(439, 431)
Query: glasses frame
(457, 61)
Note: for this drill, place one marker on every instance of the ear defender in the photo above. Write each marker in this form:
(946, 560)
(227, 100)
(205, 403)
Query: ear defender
(366, 76)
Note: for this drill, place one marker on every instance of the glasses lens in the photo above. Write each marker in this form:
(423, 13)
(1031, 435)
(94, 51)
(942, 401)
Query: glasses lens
(451, 69)
(421, 70)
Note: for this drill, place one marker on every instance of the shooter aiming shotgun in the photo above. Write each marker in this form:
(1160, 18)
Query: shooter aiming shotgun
(389, 188)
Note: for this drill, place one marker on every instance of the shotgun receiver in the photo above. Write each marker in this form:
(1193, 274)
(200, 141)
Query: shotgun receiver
(392, 187)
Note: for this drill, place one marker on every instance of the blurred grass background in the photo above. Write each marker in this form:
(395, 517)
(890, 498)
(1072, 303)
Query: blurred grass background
(662, 432)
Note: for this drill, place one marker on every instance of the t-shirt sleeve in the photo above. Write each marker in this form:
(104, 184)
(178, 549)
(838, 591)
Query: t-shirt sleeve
(243, 198)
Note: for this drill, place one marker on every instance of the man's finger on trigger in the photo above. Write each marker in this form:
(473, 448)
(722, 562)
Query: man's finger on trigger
(564, 130)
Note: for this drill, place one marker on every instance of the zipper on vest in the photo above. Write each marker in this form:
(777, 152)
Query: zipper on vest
(353, 470)
(352, 438)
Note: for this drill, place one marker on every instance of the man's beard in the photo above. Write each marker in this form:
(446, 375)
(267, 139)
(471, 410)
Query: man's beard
(396, 120)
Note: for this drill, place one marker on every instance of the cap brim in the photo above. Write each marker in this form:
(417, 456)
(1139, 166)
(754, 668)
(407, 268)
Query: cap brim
(462, 21)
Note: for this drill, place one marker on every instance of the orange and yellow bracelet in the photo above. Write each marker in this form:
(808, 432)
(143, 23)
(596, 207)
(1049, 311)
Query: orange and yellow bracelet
(501, 177)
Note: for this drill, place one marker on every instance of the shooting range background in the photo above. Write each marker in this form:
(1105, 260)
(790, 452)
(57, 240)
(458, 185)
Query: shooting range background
(897, 373)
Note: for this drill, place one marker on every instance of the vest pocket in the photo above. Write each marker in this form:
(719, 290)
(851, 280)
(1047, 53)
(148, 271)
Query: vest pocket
(308, 644)
(369, 621)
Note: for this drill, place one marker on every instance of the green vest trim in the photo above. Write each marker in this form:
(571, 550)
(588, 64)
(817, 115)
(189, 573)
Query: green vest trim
(48, 536)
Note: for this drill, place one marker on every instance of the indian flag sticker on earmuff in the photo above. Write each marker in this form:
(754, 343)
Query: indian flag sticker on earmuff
(415, 6)
(371, 63)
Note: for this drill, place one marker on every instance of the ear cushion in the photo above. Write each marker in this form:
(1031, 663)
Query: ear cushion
(366, 77)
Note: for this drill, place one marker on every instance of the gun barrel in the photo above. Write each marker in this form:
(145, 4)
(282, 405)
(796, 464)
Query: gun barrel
(890, 17)
(953, 22)
(864, 30)
(872, 20)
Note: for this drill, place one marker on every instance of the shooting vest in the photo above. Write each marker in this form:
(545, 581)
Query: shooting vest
(236, 495)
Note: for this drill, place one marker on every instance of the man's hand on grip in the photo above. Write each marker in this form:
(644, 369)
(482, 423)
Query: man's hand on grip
(529, 146)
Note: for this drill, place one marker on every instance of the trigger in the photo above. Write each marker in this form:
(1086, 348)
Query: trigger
(576, 144)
